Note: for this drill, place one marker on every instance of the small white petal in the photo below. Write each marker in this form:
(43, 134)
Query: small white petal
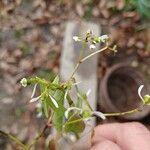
(92, 46)
(76, 38)
(89, 31)
(104, 38)
(34, 89)
(65, 96)
(88, 92)
(70, 109)
(39, 115)
(99, 114)
(71, 137)
(38, 105)
(139, 92)
(54, 101)
(35, 99)
(94, 42)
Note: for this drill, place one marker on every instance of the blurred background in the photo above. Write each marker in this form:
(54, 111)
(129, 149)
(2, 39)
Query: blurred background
(31, 36)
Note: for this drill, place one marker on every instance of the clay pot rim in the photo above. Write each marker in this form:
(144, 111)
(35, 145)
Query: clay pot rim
(108, 74)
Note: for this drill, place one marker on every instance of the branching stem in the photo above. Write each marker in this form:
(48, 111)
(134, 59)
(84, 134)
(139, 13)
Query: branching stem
(122, 113)
(85, 58)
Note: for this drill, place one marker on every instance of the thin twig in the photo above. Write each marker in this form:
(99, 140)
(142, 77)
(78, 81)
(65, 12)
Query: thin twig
(85, 58)
(94, 53)
(38, 137)
(48, 125)
(121, 113)
(13, 138)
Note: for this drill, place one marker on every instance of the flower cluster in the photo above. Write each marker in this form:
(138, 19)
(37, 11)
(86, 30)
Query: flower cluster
(91, 39)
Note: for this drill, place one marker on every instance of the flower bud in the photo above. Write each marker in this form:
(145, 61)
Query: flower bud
(24, 82)
(104, 38)
(76, 38)
(92, 46)
(147, 99)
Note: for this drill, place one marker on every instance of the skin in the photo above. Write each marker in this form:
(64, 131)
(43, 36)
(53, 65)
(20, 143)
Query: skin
(121, 136)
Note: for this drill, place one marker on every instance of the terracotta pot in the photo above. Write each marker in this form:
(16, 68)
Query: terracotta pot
(119, 91)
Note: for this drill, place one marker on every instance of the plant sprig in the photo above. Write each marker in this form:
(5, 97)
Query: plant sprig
(70, 115)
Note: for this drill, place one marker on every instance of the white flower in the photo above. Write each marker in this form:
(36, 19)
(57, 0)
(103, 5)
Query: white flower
(139, 92)
(34, 89)
(89, 31)
(54, 101)
(99, 114)
(76, 38)
(70, 109)
(92, 46)
(24, 82)
(70, 136)
(104, 38)
(39, 115)
(35, 99)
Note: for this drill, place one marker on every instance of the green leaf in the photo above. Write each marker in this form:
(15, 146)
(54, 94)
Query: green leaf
(58, 118)
(47, 74)
(86, 114)
(147, 100)
(143, 7)
(59, 96)
(75, 124)
(56, 80)
(42, 88)
(45, 107)
(97, 39)
(82, 102)
(79, 102)
(70, 101)
(48, 104)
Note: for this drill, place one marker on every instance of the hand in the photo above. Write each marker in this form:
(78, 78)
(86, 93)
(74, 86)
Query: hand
(121, 136)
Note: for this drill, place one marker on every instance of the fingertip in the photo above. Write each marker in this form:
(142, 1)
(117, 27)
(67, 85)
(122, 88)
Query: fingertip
(106, 144)
(134, 126)
(106, 131)
(134, 134)
(124, 134)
